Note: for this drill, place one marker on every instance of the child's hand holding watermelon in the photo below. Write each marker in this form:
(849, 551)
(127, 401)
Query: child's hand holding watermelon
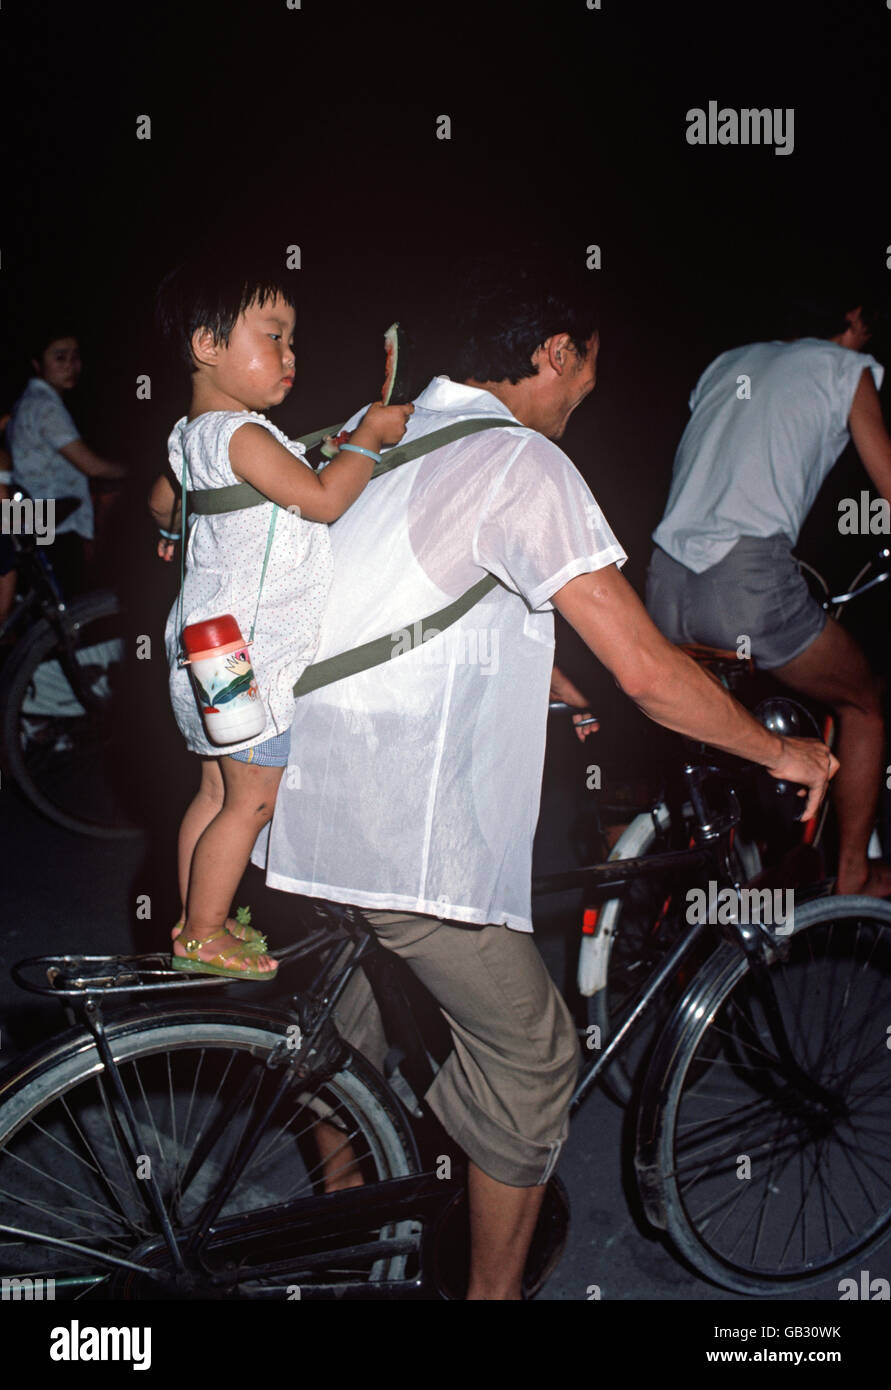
(388, 421)
(381, 424)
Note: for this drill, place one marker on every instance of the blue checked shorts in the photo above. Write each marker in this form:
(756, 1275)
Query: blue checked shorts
(272, 753)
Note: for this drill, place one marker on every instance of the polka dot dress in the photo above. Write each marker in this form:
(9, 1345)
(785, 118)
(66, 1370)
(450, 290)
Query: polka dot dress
(224, 559)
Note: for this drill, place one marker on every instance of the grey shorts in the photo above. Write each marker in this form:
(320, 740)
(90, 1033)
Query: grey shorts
(503, 1092)
(756, 591)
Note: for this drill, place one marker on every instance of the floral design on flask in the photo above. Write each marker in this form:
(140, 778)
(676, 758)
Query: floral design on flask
(241, 682)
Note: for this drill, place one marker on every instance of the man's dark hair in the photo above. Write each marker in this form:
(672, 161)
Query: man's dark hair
(824, 314)
(212, 292)
(503, 305)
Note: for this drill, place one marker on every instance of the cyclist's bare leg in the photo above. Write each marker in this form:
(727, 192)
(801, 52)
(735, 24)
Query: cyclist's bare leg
(834, 670)
(221, 856)
(502, 1218)
(340, 1166)
(502, 1223)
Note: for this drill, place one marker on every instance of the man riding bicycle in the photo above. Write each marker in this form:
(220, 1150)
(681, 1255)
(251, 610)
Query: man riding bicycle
(413, 786)
(769, 421)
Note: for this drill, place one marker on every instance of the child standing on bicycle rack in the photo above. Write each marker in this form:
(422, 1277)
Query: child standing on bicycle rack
(270, 562)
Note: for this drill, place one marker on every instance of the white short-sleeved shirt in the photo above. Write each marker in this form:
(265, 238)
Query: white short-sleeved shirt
(224, 561)
(38, 428)
(752, 465)
(415, 785)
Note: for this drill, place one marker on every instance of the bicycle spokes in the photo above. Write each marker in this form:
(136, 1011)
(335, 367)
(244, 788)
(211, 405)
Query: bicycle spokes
(77, 1208)
(783, 1168)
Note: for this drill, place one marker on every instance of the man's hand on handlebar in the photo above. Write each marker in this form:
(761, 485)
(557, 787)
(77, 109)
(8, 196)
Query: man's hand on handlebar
(563, 690)
(809, 763)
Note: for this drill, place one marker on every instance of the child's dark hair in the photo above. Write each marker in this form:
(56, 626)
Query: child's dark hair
(212, 291)
(46, 332)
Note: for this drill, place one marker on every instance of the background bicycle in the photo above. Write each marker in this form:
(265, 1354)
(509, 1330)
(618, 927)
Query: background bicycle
(63, 735)
(624, 936)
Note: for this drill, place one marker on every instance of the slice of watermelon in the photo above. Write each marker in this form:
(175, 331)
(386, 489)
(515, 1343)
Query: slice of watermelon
(392, 339)
(391, 349)
(329, 450)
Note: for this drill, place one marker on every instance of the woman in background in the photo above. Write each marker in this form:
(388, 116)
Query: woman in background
(49, 458)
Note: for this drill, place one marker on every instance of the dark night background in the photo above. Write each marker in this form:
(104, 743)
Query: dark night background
(317, 127)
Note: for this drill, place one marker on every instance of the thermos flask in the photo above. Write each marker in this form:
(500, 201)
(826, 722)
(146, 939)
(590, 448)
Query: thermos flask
(224, 680)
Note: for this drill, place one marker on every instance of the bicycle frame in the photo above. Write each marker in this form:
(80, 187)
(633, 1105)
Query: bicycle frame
(347, 946)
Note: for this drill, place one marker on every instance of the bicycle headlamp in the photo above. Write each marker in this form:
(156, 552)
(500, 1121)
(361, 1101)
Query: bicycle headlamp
(787, 719)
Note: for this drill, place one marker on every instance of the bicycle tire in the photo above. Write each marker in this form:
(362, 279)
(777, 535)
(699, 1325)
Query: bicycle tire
(703, 1200)
(46, 1087)
(605, 976)
(37, 648)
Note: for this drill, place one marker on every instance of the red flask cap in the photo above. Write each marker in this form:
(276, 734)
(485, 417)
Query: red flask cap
(214, 632)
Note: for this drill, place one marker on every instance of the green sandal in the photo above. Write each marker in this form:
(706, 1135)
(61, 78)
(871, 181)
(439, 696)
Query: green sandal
(193, 964)
(255, 939)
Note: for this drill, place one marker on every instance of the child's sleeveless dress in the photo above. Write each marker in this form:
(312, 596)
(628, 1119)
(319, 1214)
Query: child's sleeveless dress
(224, 558)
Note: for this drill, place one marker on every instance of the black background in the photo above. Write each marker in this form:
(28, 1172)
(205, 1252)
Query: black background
(317, 127)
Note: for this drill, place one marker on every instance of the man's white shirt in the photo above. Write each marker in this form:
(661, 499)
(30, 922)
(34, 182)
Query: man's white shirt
(415, 785)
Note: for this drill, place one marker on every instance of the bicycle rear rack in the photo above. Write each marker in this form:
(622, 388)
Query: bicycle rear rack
(80, 977)
(74, 977)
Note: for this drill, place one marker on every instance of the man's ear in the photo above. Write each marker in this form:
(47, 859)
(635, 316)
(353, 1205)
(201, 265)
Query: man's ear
(555, 352)
(204, 350)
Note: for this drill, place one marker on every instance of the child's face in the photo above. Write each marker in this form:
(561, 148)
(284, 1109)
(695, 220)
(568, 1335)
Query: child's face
(59, 363)
(257, 367)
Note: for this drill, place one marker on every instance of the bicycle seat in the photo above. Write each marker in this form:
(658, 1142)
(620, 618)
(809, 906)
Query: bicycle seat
(721, 663)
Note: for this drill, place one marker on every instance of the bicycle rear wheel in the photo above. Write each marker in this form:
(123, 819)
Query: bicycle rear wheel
(195, 1079)
(762, 1189)
(68, 760)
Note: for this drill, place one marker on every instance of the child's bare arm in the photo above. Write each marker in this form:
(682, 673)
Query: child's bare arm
(164, 505)
(258, 458)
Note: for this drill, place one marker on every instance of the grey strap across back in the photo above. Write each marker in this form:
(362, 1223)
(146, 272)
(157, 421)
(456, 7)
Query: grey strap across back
(237, 497)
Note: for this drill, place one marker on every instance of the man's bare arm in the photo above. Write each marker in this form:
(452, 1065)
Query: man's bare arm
(672, 690)
(871, 439)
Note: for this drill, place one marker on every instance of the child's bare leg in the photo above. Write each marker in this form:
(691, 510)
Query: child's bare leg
(339, 1163)
(205, 805)
(222, 853)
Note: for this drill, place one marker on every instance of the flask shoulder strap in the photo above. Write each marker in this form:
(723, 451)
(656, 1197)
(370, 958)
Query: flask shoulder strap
(182, 557)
